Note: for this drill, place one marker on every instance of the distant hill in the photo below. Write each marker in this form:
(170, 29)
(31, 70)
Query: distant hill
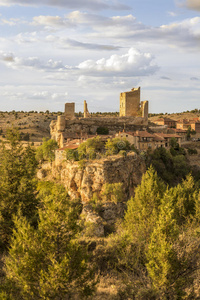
(33, 126)
(176, 116)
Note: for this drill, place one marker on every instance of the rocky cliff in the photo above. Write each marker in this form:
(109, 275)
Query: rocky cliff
(85, 180)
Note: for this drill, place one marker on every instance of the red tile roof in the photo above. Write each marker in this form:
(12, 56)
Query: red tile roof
(167, 135)
(69, 146)
(143, 134)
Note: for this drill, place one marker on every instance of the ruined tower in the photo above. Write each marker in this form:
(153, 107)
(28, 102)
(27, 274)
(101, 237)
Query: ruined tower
(145, 109)
(86, 112)
(130, 103)
(69, 110)
(61, 123)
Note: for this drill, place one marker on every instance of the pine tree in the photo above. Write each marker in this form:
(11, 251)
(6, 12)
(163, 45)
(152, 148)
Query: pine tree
(48, 262)
(142, 210)
(161, 256)
(17, 184)
(184, 197)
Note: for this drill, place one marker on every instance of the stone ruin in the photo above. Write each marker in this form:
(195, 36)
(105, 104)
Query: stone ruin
(133, 115)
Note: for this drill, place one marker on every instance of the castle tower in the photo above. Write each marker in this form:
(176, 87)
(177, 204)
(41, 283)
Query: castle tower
(130, 103)
(69, 110)
(61, 123)
(86, 112)
(145, 109)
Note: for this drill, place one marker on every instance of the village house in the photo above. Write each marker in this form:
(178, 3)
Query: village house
(143, 140)
(61, 154)
(185, 124)
(166, 121)
(180, 132)
(166, 138)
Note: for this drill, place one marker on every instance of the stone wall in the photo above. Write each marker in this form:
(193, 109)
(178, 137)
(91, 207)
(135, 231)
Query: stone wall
(80, 126)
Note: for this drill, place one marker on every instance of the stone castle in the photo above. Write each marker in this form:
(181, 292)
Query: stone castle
(133, 115)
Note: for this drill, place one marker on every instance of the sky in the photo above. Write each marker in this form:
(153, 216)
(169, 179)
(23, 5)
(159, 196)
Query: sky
(58, 51)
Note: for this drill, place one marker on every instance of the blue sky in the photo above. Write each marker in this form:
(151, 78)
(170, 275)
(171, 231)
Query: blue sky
(57, 51)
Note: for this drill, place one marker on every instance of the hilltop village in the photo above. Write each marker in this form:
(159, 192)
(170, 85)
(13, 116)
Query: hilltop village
(132, 124)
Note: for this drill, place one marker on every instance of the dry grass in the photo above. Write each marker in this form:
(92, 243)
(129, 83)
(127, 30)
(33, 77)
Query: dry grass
(33, 123)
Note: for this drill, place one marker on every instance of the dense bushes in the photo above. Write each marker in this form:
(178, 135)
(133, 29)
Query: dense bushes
(156, 250)
(171, 166)
(95, 148)
(47, 150)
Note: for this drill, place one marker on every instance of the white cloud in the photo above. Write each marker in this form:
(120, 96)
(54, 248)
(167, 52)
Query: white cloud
(126, 28)
(184, 34)
(26, 38)
(99, 21)
(133, 63)
(193, 4)
(171, 13)
(8, 22)
(80, 4)
(30, 62)
(51, 21)
(11, 21)
(77, 29)
(48, 95)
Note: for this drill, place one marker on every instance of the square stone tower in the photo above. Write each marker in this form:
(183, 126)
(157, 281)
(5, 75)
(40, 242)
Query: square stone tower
(130, 103)
(69, 110)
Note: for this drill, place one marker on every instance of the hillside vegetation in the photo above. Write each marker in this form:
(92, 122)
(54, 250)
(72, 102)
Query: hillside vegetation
(48, 250)
(32, 126)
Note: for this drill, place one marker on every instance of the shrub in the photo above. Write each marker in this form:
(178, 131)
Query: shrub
(102, 130)
(112, 192)
(192, 151)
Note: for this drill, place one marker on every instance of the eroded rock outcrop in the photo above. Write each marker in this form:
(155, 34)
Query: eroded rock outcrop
(82, 181)
(86, 178)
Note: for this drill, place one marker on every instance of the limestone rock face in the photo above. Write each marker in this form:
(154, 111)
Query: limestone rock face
(93, 218)
(83, 182)
(111, 211)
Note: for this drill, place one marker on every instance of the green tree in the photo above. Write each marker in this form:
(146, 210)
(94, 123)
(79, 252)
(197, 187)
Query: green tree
(171, 166)
(47, 150)
(161, 257)
(184, 197)
(48, 262)
(90, 148)
(114, 146)
(173, 250)
(173, 143)
(17, 184)
(112, 192)
(143, 209)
